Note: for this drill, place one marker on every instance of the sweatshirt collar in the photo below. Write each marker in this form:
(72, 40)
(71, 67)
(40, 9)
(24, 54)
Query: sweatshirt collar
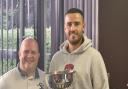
(85, 45)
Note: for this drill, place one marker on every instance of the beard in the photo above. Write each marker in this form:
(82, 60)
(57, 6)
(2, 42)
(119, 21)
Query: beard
(75, 38)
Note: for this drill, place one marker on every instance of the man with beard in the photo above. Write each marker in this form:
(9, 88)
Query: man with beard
(26, 75)
(77, 51)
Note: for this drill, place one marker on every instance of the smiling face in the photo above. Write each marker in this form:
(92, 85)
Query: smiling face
(29, 55)
(74, 28)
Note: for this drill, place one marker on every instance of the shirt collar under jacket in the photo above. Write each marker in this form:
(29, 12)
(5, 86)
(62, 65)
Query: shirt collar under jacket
(23, 74)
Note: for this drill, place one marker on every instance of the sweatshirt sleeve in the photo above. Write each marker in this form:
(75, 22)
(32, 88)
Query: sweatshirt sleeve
(99, 73)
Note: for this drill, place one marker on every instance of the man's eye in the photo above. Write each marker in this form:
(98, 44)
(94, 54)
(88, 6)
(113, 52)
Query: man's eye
(33, 52)
(26, 51)
(77, 23)
(69, 24)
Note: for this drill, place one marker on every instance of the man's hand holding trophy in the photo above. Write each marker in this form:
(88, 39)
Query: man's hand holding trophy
(61, 79)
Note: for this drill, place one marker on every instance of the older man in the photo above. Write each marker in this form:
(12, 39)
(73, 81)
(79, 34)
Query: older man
(26, 75)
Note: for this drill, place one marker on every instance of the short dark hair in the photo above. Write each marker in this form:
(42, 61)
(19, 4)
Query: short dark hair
(75, 10)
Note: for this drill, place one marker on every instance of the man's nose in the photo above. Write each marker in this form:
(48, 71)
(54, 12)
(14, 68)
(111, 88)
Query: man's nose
(73, 27)
(30, 54)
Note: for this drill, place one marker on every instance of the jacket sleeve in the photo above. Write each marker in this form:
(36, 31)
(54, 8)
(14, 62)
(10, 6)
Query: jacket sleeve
(2, 83)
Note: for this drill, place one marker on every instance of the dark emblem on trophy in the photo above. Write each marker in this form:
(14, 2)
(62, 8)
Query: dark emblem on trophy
(40, 85)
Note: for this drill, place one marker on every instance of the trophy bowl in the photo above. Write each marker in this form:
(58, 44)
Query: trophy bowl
(60, 79)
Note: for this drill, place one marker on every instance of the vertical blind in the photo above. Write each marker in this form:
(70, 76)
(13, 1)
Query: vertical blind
(8, 34)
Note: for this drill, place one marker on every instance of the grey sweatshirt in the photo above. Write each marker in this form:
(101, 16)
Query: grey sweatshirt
(88, 64)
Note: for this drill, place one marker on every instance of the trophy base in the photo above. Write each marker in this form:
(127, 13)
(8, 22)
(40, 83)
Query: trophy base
(61, 85)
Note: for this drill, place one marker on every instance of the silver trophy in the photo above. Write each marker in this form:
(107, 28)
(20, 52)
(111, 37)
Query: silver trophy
(60, 79)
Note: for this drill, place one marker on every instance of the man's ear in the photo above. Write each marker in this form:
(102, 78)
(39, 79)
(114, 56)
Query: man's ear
(64, 27)
(38, 55)
(19, 54)
(83, 27)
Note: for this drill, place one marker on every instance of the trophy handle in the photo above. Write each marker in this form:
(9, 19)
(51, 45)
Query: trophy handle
(48, 83)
